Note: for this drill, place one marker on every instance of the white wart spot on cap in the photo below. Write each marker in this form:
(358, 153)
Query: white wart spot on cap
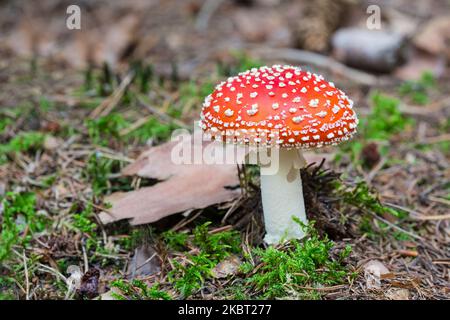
(297, 119)
(335, 109)
(321, 114)
(313, 103)
(229, 112)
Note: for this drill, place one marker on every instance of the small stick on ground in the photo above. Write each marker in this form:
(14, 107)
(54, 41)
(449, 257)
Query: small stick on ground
(109, 103)
(86, 262)
(310, 58)
(413, 235)
(27, 281)
(161, 115)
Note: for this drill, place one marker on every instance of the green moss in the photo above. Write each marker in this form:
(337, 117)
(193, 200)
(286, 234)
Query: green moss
(98, 172)
(305, 263)
(144, 75)
(418, 91)
(401, 236)
(311, 262)
(193, 89)
(380, 230)
(103, 129)
(4, 123)
(45, 104)
(218, 245)
(175, 240)
(138, 290)
(385, 119)
(191, 93)
(152, 129)
(364, 198)
(82, 221)
(48, 180)
(23, 142)
(187, 278)
(366, 227)
(7, 288)
(361, 196)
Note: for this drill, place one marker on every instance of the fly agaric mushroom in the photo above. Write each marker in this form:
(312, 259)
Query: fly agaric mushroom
(286, 108)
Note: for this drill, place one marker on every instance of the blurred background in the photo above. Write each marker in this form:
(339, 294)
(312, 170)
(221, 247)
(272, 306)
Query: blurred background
(398, 37)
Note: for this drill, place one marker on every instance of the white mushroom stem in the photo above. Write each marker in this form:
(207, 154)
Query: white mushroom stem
(282, 197)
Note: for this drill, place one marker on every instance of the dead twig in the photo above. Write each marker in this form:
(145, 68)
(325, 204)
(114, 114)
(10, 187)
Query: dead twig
(160, 114)
(85, 259)
(332, 288)
(147, 261)
(408, 253)
(436, 139)
(420, 111)
(318, 60)
(434, 217)
(27, 281)
(186, 221)
(418, 216)
(439, 200)
(413, 235)
(139, 123)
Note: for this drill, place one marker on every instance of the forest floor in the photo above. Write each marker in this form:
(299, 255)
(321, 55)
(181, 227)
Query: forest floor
(388, 203)
(380, 203)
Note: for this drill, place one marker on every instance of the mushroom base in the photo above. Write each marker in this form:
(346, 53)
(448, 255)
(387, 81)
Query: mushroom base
(282, 197)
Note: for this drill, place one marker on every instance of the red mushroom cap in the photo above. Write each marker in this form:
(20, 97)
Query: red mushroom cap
(280, 105)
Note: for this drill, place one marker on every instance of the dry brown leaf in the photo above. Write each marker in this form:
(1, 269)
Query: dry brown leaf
(27, 39)
(116, 40)
(185, 187)
(144, 262)
(418, 63)
(101, 45)
(155, 163)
